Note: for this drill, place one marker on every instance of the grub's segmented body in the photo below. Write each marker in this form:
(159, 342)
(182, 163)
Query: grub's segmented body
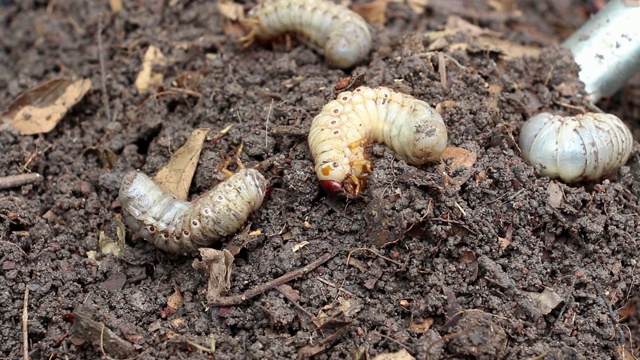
(341, 35)
(576, 148)
(180, 226)
(408, 126)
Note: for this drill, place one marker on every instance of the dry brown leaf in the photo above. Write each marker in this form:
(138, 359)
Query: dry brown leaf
(38, 110)
(554, 193)
(289, 292)
(627, 310)
(421, 327)
(233, 28)
(176, 176)
(299, 246)
(459, 24)
(467, 257)
(147, 77)
(373, 13)
(504, 242)
(399, 355)
(41, 95)
(175, 300)
(625, 353)
(459, 157)
(418, 6)
(506, 49)
(231, 10)
(116, 5)
(217, 264)
(85, 328)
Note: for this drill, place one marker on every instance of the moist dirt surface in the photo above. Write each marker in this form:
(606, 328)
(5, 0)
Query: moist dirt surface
(486, 260)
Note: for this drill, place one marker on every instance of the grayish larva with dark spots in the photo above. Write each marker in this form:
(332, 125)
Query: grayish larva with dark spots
(180, 226)
(338, 33)
(338, 135)
(576, 148)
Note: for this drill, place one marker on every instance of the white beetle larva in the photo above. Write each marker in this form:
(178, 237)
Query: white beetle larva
(410, 127)
(179, 226)
(576, 148)
(341, 35)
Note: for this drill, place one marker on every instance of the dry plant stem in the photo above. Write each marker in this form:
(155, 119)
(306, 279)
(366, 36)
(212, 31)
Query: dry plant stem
(25, 324)
(12, 181)
(239, 299)
(295, 303)
(103, 76)
(612, 316)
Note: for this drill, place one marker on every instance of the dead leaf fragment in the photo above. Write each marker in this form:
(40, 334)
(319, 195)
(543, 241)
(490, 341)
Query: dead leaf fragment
(459, 157)
(116, 5)
(625, 353)
(173, 303)
(504, 242)
(554, 193)
(38, 110)
(421, 327)
(545, 301)
(147, 77)
(176, 176)
(231, 10)
(373, 13)
(109, 246)
(101, 336)
(217, 263)
(505, 48)
(403, 354)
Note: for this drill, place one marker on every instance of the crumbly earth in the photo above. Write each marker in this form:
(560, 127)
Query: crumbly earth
(489, 261)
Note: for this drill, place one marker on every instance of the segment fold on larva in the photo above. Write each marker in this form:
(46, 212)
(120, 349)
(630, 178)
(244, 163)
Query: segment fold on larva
(576, 148)
(340, 34)
(180, 226)
(339, 133)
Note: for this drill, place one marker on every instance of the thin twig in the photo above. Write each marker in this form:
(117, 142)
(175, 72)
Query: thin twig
(266, 126)
(374, 253)
(442, 70)
(239, 299)
(17, 247)
(12, 181)
(25, 323)
(295, 303)
(210, 350)
(103, 76)
(612, 316)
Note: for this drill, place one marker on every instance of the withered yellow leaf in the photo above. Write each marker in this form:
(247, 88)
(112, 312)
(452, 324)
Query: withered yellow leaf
(230, 10)
(40, 109)
(147, 77)
(176, 176)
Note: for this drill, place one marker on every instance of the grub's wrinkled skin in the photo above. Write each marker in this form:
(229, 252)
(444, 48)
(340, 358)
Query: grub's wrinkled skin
(179, 226)
(576, 148)
(338, 135)
(338, 33)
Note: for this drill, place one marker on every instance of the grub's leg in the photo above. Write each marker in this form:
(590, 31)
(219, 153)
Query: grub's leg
(365, 164)
(251, 25)
(356, 182)
(357, 144)
(224, 167)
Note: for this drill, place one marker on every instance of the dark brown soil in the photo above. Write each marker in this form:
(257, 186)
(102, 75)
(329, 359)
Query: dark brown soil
(469, 250)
